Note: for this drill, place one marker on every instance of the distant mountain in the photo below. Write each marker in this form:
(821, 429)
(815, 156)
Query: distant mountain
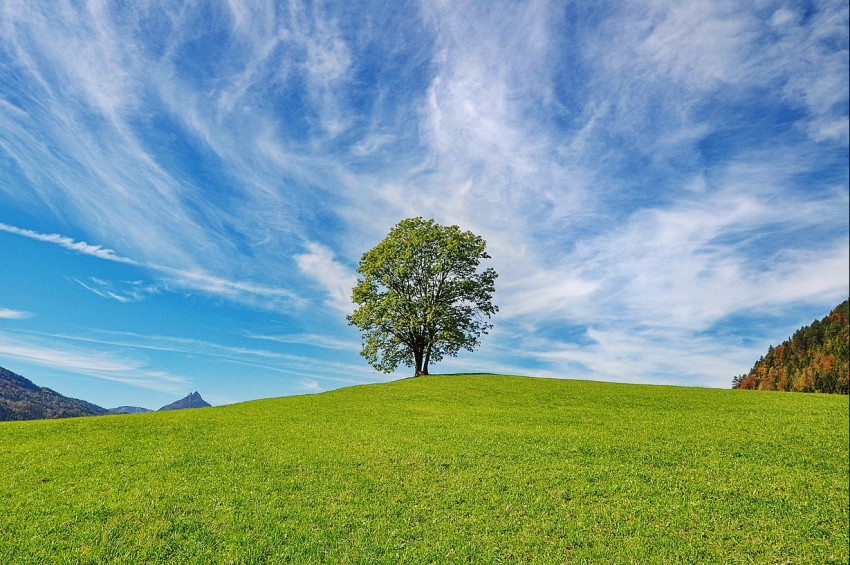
(21, 399)
(815, 359)
(193, 400)
(128, 410)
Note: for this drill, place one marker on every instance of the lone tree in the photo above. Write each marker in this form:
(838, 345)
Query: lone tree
(420, 297)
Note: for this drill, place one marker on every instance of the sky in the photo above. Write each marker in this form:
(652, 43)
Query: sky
(186, 188)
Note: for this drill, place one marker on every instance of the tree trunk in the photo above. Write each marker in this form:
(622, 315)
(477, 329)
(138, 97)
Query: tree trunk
(417, 360)
(427, 360)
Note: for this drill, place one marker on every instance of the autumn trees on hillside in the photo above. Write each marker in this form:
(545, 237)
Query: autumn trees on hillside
(814, 359)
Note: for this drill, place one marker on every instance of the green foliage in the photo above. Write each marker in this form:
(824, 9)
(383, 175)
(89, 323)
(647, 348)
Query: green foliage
(815, 359)
(462, 469)
(420, 296)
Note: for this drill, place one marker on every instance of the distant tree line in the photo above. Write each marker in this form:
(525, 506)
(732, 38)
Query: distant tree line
(814, 359)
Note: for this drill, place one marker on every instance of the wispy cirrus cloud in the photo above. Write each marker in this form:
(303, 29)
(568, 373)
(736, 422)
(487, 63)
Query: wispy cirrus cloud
(268, 359)
(716, 216)
(318, 263)
(637, 167)
(674, 55)
(46, 352)
(310, 386)
(157, 106)
(711, 257)
(68, 243)
(124, 292)
(9, 314)
(315, 340)
(239, 291)
(623, 356)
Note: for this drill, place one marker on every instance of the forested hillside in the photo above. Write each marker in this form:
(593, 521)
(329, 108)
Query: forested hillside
(814, 359)
(21, 399)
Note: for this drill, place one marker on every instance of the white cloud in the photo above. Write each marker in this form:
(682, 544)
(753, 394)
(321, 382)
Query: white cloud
(545, 294)
(488, 140)
(702, 44)
(783, 17)
(239, 291)
(269, 359)
(678, 53)
(696, 263)
(578, 244)
(310, 385)
(9, 314)
(68, 243)
(335, 279)
(315, 340)
(615, 160)
(124, 292)
(94, 363)
(651, 356)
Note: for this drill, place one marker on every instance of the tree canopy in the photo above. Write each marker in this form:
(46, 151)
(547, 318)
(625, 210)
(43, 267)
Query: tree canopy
(814, 359)
(421, 297)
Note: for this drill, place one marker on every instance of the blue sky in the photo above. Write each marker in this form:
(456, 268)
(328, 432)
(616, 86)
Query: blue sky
(186, 187)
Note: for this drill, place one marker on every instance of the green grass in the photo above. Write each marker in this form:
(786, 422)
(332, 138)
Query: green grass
(448, 469)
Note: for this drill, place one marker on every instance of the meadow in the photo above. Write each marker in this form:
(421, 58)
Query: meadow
(439, 469)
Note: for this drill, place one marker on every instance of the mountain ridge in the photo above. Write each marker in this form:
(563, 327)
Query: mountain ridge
(21, 399)
(192, 400)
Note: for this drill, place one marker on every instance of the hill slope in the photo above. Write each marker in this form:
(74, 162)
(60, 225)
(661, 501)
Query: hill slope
(815, 359)
(21, 399)
(473, 468)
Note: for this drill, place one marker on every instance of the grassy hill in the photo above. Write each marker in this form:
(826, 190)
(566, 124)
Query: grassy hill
(471, 468)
